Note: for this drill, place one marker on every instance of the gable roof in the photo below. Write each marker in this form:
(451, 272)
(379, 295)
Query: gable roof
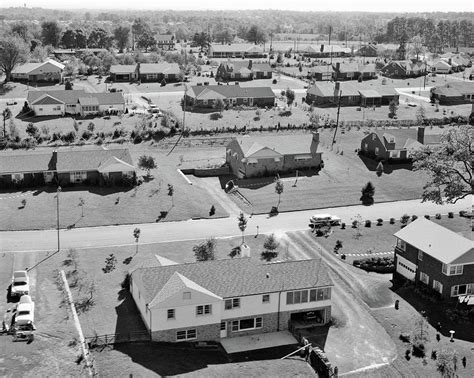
(232, 91)
(29, 67)
(89, 159)
(438, 242)
(455, 89)
(48, 100)
(400, 136)
(239, 65)
(326, 89)
(327, 69)
(176, 284)
(236, 47)
(75, 96)
(164, 68)
(283, 145)
(122, 68)
(67, 97)
(25, 161)
(114, 164)
(238, 277)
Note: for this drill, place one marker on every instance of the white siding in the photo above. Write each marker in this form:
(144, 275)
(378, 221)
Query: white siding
(406, 268)
(46, 110)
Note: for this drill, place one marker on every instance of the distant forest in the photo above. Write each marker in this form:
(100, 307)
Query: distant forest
(435, 30)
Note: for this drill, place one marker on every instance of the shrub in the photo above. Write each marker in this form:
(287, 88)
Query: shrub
(450, 214)
(343, 226)
(392, 220)
(427, 216)
(414, 217)
(404, 219)
(368, 223)
(438, 216)
(355, 224)
(379, 222)
(91, 127)
(405, 337)
(274, 81)
(462, 213)
(215, 116)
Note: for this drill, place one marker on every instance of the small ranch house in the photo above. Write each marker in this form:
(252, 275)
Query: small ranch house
(243, 70)
(238, 50)
(48, 71)
(454, 93)
(250, 156)
(218, 299)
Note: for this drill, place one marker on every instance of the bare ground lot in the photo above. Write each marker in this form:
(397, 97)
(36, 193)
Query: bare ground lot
(108, 206)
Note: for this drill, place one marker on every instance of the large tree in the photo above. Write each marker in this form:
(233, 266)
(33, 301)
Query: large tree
(122, 36)
(98, 38)
(13, 51)
(68, 40)
(256, 35)
(146, 41)
(21, 29)
(51, 33)
(81, 39)
(448, 165)
(201, 39)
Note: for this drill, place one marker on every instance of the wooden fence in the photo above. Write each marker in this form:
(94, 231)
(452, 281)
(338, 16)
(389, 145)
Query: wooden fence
(117, 338)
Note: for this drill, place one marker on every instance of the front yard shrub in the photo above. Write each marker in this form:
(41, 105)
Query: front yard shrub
(438, 216)
(462, 213)
(418, 348)
(414, 217)
(427, 216)
(215, 116)
(274, 81)
(355, 224)
(285, 113)
(376, 264)
(404, 219)
(343, 226)
(392, 220)
(450, 214)
(379, 222)
(368, 223)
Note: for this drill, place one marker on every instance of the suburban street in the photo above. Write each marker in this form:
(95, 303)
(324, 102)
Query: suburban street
(110, 236)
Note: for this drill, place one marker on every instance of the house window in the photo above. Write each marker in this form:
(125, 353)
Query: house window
(223, 326)
(232, 303)
(366, 146)
(304, 296)
(401, 244)
(452, 270)
(246, 324)
(171, 313)
(462, 290)
(187, 295)
(79, 176)
(374, 136)
(376, 150)
(188, 334)
(424, 278)
(17, 176)
(438, 286)
(204, 310)
(420, 255)
(266, 298)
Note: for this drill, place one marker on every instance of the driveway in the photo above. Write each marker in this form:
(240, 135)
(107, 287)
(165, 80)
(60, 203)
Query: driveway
(81, 238)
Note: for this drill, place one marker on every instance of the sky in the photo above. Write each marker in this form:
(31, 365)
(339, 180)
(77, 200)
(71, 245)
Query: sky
(301, 5)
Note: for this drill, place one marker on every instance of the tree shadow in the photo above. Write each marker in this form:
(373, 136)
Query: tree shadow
(388, 167)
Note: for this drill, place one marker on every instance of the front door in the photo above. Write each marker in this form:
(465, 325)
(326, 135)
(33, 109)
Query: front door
(223, 329)
(250, 101)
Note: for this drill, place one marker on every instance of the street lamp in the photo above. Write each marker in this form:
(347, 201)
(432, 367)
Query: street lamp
(57, 212)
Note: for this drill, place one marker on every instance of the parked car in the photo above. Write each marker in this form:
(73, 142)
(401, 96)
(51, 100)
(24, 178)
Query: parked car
(154, 109)
(320, 219)
(25, 311)
(20, 283)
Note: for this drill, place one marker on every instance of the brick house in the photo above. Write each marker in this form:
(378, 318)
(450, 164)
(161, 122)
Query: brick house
(48, 71)
(327, 94)
(321, 73)
(402, 69)
(205, 96)
(352, 71)
(430, 254)
(95, 166)
(235, 50)
(165, 41)
(156, 72)
(250, 156)
(325, 51)
(217, 299)
(237, 70)
(74, 102)
(453, 93)
(397, 145)
(123, 72)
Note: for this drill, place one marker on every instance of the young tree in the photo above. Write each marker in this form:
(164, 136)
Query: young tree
(242, 223)
(279, 190)
(270, 248)
(81, 205)
(448, 165)
(290, 95)
(136, 235)
(147, 163)
(32, 130)
(392, 109)
(68, 85)
(13, 51)
(205, 250)
(6, 114)
(420, 115)
(379, 169)
(171, 193)
(368, 192)
(219, 105)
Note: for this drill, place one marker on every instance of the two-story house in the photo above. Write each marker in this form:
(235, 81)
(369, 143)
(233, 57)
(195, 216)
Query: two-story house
(165, 41)
(216, 299)
(435, 256)
(251, 156)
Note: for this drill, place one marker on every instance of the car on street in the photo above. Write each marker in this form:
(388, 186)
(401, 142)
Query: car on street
(154, 109)
(25, 311)
(321, 219)
(20, 283)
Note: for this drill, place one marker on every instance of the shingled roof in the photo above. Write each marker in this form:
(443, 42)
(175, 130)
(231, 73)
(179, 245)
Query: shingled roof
(25, 161)
(232, 91)
(88, 160)
(73, 96)
(284, 145)
(238, 277)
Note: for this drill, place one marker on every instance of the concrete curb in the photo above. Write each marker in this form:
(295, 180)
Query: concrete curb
(77, 324)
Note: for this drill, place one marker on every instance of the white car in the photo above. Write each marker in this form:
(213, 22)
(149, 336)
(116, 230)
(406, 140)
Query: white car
(154, 109)
(25, 311)
(20, 283)
(320, 219)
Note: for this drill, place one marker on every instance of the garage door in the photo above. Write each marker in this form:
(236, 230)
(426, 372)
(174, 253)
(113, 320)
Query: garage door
(406, 268)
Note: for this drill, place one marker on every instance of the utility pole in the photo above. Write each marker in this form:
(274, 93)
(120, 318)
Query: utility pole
(57, 213)
(337, 119)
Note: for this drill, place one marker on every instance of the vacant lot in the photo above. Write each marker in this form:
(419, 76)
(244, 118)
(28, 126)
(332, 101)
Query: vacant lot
(109, 206)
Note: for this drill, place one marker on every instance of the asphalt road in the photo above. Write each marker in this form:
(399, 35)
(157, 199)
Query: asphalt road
(108, 236)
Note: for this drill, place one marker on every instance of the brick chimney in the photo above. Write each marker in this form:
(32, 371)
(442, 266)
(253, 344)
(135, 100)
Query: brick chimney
(316, 137)
(338, 66)
(138, 69)
(420, 137)
(337, 86)
(250, 64)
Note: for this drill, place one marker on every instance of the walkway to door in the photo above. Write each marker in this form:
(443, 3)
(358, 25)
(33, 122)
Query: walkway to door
(258, 341)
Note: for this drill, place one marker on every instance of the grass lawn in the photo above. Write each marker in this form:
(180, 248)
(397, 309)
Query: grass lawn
(339, 183)
(109, 206)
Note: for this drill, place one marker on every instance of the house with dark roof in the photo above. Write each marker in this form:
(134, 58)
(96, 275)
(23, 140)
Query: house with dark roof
(398, 144)
(123, 72)
(48, 71)
(74, 102)
(453, 93)
(251, 156)
(219, 299)
(238, 70)
(206, 96)
(402, 69)
(441, 67)
(325, 51)
(165, 41)
(95, 166)
(157, 72)
(321, 73)
(235, 50)
(327, 94)
(353, 71)
(432, 255)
